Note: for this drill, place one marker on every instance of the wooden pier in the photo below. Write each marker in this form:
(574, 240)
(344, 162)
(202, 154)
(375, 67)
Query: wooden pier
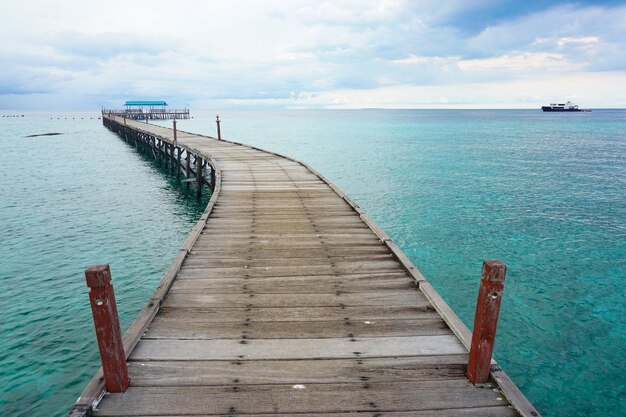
(287, 300)
(147, 114)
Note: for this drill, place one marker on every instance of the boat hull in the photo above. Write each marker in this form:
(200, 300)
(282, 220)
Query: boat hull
(548, 108)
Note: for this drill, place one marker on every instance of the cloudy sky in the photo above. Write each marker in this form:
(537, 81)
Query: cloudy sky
(312, 54)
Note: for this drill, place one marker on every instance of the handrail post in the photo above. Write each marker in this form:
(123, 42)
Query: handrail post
(217, 121)
(486, 321)
(107, 325)
(174, 123)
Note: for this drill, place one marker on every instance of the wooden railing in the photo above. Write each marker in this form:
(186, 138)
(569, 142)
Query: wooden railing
(142, 114)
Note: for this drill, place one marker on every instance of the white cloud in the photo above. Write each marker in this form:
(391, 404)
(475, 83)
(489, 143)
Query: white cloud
(300, 51)
(521, 62)
(413, 59)
(572, 40)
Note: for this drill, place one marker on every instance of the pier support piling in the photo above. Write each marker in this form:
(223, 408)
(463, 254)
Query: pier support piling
(486, 321)
(187, 168)
(178, 164)
(198, 176)
(108, 333)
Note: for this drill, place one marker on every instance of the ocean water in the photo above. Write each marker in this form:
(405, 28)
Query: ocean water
(67, 202)
(544, 193)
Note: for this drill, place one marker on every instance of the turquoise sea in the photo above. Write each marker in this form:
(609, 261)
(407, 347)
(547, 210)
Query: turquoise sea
(545, 193)
(67, 202)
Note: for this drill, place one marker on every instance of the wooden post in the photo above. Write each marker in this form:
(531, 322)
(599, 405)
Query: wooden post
(178, 164)
(107, 325)
(187, 167)
(169, 152)
(173, 157)
(174, 130)
(198, 176)
(212, 179)
(219, 133)
(486, 321)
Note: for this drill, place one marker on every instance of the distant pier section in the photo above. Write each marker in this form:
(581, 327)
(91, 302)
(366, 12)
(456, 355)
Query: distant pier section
(147, 110)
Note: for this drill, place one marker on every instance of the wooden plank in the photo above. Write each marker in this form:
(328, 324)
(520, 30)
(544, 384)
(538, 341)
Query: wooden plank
(164, 349)
(291, 228)
(208, 244)
(286, 239)
(224, 210)
(421, 309)
(330, 398)
(178, 299)
(177, 329)
(202, 262)
(285, 232)
(273, 271)
(299, 284)
(339, 252)
(321, 219)
(457, 412)
(374, 370)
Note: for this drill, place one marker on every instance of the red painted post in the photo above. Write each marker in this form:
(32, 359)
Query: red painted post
(486, 321)
(174, 122)
(219, 133)
(107, 326)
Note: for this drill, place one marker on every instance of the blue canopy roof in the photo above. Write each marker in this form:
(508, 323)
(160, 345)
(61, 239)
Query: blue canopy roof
(145, 103)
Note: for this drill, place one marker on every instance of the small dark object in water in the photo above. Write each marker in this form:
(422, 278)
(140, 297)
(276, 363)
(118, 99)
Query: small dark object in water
(44, 134)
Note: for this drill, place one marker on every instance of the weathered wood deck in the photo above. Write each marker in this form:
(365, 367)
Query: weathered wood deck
(288, 300)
